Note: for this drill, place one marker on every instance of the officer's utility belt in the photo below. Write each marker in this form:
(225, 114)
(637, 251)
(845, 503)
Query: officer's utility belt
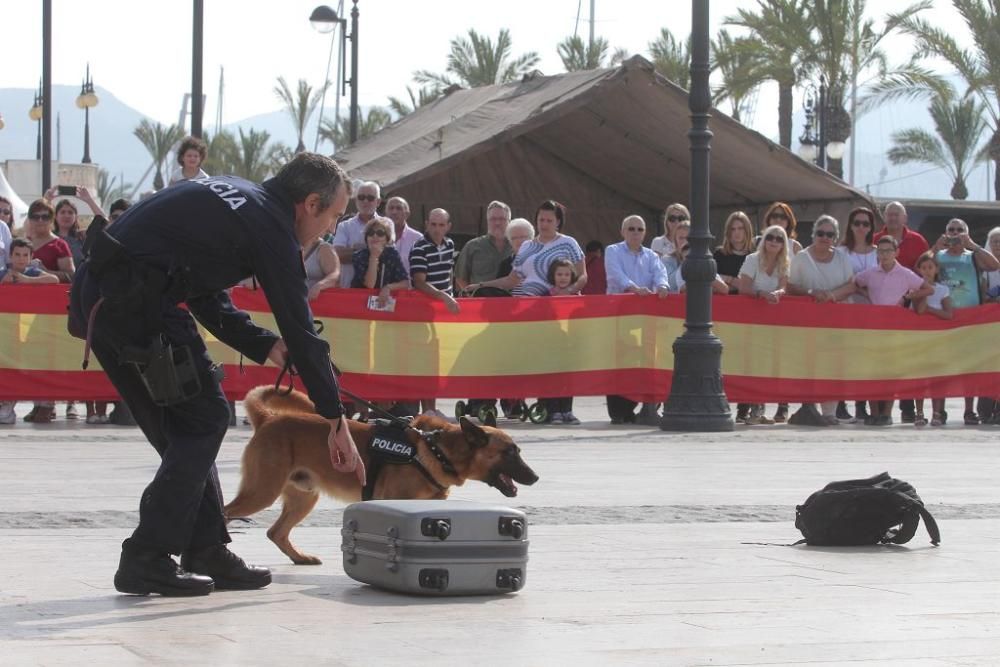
(168, 371)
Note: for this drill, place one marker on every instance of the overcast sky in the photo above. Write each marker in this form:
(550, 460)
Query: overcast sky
(141, 49)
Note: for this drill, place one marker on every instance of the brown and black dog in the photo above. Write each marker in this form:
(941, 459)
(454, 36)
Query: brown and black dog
(288, 457)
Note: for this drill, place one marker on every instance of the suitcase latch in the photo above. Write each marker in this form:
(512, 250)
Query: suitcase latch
(512, 579)
(511, 525)
(433, 579)
(439, 528)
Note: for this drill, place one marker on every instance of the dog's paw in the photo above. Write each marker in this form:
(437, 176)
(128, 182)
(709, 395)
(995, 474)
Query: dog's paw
(306, 559)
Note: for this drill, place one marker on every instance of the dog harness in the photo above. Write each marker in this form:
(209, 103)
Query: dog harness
(389, 444)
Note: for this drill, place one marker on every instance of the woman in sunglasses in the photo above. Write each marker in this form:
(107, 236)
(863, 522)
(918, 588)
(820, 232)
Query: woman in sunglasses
(779, 213)
(52, 252)
(764, 275)
(826, 275)
(378, 265)
(673, 217)
(859, 247)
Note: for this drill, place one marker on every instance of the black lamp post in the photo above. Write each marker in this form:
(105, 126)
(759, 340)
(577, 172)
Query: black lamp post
(826, 128)
(197, 86)
(325, 19)
(697, 401)
(46, 95)
(85, 100)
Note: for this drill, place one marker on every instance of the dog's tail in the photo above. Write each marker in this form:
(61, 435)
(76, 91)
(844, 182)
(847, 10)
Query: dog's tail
(264, 402)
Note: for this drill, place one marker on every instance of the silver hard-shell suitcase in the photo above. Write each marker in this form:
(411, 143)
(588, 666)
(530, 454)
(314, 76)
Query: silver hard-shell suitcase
(436, 547)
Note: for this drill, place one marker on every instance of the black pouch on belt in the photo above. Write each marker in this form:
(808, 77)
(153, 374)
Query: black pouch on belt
(168, 371)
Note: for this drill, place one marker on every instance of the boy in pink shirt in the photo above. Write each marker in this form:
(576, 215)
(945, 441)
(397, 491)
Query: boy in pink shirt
(888, 283)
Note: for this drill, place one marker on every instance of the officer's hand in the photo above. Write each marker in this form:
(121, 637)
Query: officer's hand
(279, 353)
(343, 452)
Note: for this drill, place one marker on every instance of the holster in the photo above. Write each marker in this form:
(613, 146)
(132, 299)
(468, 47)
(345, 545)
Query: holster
(168, 371)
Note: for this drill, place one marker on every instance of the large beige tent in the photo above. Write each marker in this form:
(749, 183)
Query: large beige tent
(606, 143)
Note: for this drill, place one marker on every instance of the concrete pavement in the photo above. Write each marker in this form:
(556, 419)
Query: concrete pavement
(640, 554)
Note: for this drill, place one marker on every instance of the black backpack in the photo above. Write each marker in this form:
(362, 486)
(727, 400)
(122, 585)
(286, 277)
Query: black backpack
(855, 512)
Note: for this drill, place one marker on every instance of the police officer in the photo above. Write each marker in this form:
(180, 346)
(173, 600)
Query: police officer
(188, 244)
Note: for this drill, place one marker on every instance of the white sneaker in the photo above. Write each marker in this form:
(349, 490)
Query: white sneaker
(570, 418)
(556, 418)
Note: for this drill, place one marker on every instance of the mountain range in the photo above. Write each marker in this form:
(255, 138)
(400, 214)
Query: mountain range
(114, 147)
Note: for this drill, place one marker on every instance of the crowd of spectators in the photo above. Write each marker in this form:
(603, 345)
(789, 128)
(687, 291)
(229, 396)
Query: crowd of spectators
(893, 266)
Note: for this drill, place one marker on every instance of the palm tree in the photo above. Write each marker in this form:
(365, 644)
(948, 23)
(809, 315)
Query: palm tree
(576, 55)
(158, 140)
(978, 65)
(300, 105)
(781, 38)
(425, 95)
(108, 190)
(848, 48)
(222, 151)
(960, 125)
(736, 60)
(671, 58)
(477, 61)
(254, 159)
(369, 124)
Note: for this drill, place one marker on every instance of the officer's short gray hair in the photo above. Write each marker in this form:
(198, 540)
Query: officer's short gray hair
(312, 173)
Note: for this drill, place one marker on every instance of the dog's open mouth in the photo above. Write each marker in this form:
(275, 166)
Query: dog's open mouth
(505, 485)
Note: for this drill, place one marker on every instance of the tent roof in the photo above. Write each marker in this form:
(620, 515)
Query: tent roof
(622, 129)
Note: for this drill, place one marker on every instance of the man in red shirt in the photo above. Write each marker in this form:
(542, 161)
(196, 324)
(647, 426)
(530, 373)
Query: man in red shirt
(911, 244)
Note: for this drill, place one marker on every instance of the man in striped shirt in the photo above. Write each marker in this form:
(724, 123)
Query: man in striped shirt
(432, 264)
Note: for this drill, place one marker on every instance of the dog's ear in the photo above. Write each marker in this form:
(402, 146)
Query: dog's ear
(474, 435)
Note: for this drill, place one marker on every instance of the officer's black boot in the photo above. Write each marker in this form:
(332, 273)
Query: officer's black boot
(228, 570)
(143, 571)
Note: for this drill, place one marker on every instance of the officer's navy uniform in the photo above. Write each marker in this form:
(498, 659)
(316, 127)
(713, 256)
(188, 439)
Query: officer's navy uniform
(203, 237)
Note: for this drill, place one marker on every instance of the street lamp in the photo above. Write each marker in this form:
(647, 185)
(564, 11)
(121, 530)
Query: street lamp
(325, 20)
(86, 100)
(35, 114)
(827, 127)
(697, 401)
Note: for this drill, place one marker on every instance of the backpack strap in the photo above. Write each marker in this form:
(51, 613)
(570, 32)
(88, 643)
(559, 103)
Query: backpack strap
(916, 512)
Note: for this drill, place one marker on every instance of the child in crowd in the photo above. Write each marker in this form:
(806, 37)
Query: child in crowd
(20, 271)
(939, 305)
(561, 275)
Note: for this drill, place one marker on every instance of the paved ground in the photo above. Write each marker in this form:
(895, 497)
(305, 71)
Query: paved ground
(641, 554)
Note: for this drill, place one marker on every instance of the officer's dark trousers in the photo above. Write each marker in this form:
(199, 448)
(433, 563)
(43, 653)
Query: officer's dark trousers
(182, 507)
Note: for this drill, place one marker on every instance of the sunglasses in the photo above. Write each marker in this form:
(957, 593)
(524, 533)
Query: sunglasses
(860, 223)
(774, 237)
(676, 218)
(825, 235)
(954, 230)
(377, 232)
(40, 216)
(635, 229)
(366, 197)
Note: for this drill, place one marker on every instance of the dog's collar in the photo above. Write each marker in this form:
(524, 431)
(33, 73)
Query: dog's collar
(430, 437)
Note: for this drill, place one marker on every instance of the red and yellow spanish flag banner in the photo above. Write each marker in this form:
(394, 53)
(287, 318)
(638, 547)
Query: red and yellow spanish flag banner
(531, 347)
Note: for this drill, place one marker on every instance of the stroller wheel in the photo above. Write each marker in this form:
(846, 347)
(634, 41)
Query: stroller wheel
(538, 413)
(460, 408)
